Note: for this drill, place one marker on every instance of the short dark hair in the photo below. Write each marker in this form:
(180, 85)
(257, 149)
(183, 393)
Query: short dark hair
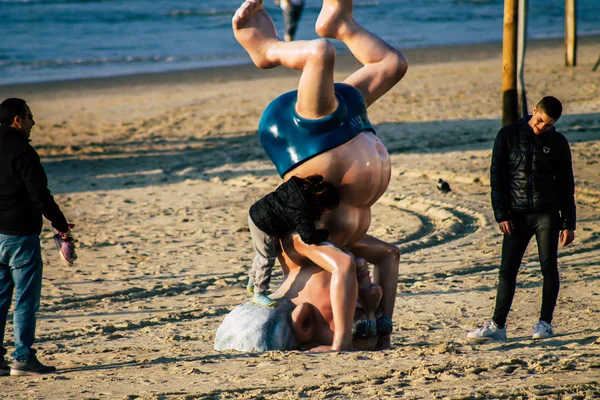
(10, 108)
(551, 106)
(324, 195)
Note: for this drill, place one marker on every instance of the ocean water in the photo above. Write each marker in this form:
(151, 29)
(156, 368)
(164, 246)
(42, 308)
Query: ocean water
(48, 40)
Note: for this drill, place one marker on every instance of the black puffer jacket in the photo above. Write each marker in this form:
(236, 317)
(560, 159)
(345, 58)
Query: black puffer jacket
(532, 173)
(286, 210)
(24, 194)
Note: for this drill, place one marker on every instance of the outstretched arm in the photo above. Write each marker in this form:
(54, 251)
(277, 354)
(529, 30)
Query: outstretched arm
(343, 289)
(385, 258)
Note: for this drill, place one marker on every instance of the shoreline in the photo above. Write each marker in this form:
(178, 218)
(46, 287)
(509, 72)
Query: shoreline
(345, 61)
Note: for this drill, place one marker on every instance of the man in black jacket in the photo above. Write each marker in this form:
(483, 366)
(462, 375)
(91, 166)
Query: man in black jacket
(533, 188)
(24, 198)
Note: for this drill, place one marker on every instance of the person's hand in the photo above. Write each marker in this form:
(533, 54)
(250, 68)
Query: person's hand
(506, 227)
(566, 237)
(66, 246)
(67, 234)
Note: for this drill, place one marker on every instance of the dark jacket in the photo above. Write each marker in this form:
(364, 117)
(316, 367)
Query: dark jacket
(532, 173)
(286, 210)
(24, 194)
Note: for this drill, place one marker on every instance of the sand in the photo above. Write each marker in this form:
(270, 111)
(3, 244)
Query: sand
(158, 172)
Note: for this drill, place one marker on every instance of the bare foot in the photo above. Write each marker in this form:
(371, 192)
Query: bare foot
(245, 11)
(253, 28)
(335, 19)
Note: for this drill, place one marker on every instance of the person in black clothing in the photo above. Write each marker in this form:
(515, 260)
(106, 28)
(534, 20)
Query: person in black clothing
(294, 206)
(533, 189)
(24, 198)
(292, 10)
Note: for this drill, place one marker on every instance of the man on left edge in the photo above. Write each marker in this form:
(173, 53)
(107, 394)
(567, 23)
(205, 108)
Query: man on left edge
(24, 198)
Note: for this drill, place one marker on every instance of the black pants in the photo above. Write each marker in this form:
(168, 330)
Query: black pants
(545, 227)
(291, 16)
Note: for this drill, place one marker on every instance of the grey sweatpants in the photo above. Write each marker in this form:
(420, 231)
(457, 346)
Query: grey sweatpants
(265, 246)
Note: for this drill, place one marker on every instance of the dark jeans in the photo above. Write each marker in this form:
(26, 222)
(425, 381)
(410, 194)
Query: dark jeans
(545, 227)
(20, 270)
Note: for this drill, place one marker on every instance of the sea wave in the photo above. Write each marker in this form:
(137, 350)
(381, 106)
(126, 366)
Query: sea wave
(199, 13)
(50, 64)
(272, 10)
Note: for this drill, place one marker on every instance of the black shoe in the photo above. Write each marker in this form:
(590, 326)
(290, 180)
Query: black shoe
(4, 368)
(31, 367)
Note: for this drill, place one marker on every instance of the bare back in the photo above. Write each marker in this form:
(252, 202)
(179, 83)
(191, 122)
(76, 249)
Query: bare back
(361, 170)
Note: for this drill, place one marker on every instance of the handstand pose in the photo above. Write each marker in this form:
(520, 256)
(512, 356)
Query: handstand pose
(322, 128)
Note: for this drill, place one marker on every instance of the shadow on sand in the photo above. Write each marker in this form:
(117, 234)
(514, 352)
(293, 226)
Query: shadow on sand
(141, 163)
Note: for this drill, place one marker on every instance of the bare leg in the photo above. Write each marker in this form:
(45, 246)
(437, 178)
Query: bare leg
(383, 67)
(343, 289)
(254, 30)
(385, 259)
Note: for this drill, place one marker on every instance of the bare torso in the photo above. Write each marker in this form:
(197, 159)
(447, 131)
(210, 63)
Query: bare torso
(361, 171)
(359, 168)
(311, 285)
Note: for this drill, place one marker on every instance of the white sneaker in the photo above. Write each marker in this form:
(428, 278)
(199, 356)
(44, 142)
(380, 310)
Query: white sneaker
(542, 330)
(488, 331)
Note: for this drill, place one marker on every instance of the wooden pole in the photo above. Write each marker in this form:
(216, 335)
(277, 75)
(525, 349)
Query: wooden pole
(570, 33)
(521, 44)
(597, 64)
(510, 104)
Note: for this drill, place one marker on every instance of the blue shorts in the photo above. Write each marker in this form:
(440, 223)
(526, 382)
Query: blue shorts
(290, 139)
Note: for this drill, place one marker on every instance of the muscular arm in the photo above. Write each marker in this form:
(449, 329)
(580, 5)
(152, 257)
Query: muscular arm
(343, 289)
(385, 258)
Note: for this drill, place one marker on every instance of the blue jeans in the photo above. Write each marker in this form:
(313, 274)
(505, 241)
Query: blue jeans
(21, 269)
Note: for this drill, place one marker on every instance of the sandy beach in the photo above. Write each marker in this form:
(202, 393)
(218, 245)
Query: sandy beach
(158, 172)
